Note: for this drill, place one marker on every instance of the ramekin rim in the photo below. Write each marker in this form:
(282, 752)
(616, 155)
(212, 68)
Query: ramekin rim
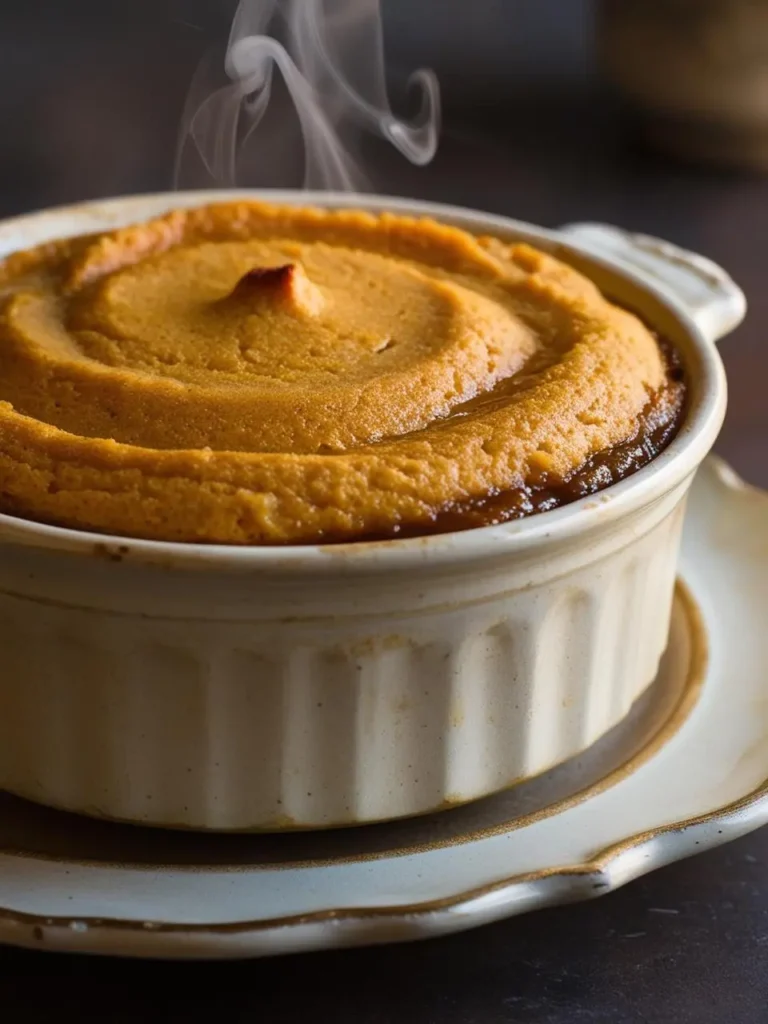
(677, 461)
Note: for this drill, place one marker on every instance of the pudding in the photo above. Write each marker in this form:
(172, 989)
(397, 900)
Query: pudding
(250, 374)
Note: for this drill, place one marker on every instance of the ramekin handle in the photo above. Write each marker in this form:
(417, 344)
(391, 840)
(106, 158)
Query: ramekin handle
(710, 297)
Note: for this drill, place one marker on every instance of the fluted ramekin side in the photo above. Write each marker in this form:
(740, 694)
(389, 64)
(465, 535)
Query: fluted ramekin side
(306, 721)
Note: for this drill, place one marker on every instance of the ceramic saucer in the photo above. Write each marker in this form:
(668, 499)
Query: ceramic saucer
(687, 770)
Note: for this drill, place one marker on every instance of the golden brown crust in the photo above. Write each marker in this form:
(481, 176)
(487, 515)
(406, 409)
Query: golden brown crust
(244, 373)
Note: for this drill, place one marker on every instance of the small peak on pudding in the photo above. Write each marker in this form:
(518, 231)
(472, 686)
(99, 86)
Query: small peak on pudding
(285, 288)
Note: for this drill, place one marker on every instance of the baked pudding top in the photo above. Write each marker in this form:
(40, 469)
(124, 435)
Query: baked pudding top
(252, 374)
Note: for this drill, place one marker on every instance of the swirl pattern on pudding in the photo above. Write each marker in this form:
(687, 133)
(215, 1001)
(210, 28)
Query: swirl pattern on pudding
(249, 374)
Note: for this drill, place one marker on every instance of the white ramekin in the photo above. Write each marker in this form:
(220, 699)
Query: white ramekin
(212, 687)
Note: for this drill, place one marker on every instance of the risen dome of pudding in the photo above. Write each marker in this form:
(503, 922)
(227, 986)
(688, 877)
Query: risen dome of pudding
(249, 374)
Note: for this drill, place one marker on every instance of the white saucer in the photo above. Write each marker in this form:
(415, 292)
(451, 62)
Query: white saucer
(687, 771)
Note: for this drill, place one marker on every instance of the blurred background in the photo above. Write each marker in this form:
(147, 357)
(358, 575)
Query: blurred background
(652, 114)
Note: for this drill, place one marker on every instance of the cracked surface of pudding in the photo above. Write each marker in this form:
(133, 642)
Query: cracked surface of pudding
(249, 374)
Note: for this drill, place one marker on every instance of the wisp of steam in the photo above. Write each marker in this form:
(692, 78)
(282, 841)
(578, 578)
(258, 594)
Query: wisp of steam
(329, 55)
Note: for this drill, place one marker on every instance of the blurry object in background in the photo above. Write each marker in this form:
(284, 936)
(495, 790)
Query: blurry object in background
(695, 71)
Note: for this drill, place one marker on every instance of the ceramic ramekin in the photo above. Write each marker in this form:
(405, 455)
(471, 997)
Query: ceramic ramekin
(223, 688)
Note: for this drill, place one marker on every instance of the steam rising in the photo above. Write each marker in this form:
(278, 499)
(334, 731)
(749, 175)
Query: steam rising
(330, 59)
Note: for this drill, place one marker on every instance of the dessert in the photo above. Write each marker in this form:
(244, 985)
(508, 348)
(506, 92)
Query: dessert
(249, 374)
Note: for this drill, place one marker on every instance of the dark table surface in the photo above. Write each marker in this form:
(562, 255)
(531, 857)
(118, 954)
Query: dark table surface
(687, 944)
